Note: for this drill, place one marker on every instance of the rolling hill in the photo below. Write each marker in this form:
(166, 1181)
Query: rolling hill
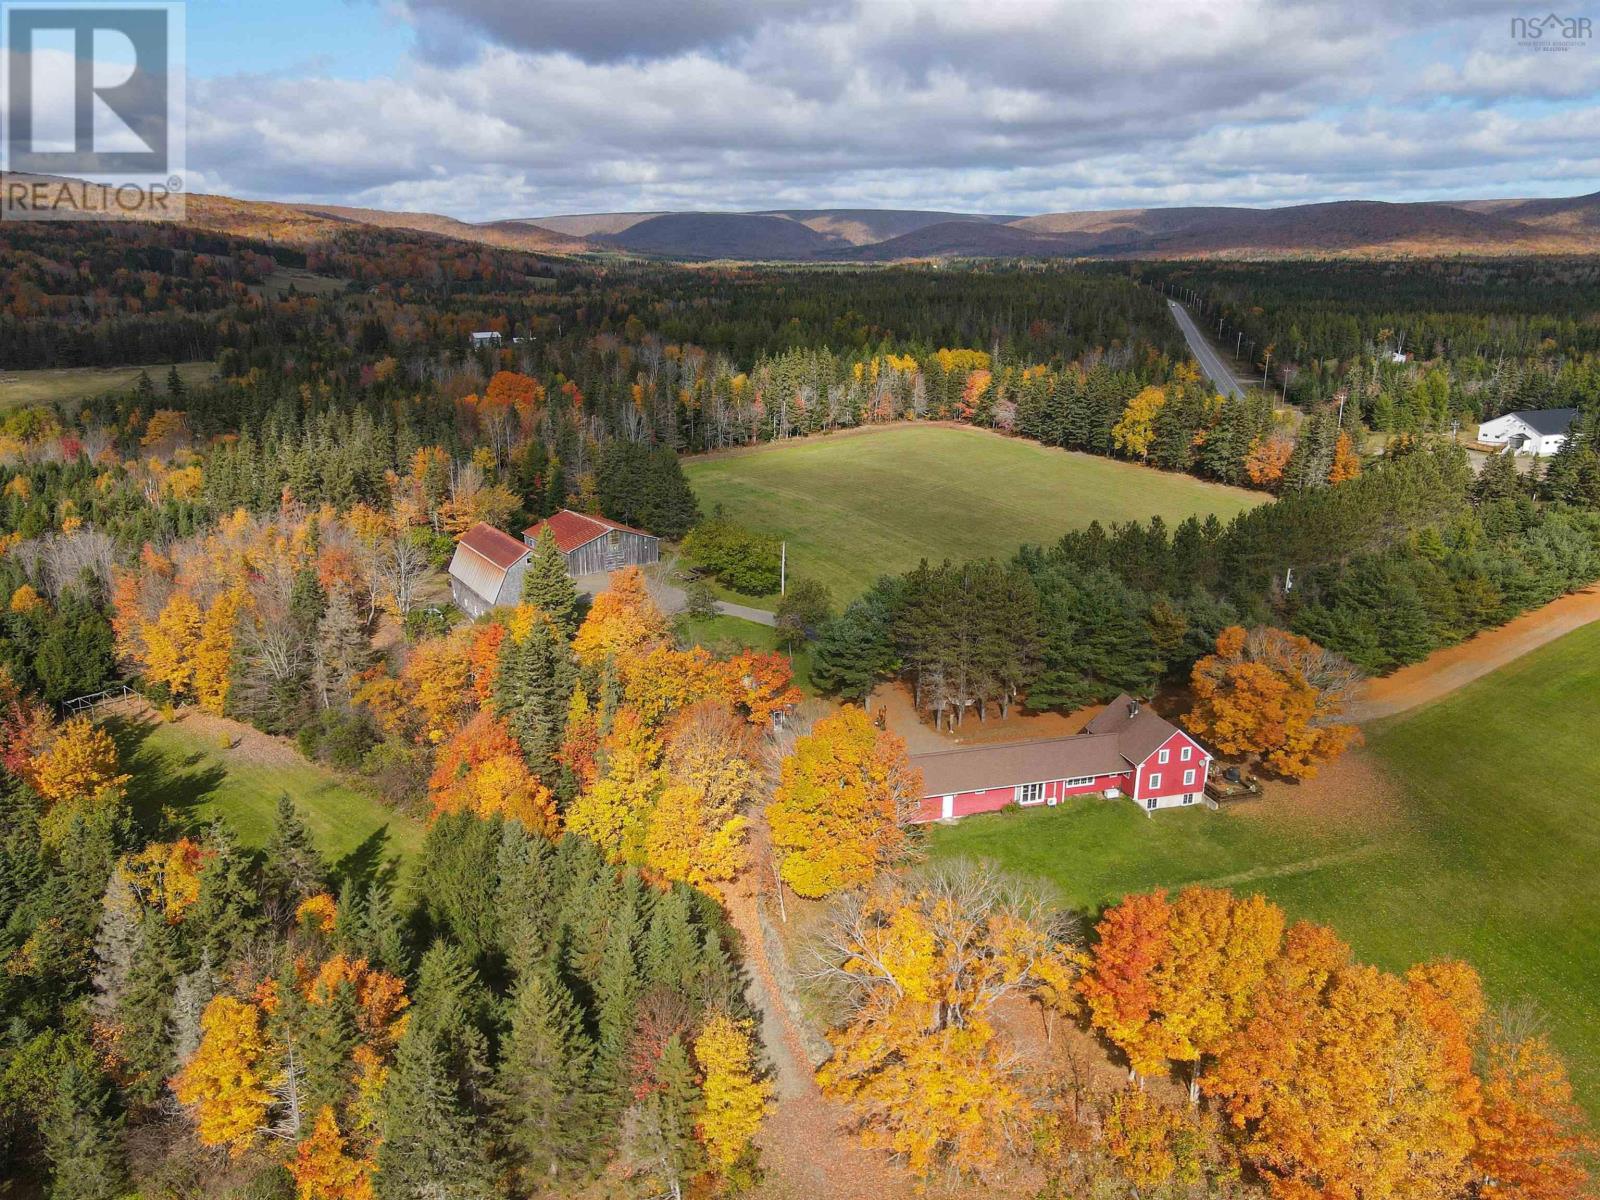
(1349, 228)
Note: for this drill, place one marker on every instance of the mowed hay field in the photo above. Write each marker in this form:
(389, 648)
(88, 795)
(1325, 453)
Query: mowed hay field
(858, 505)
(1468, 828)
(67, 385)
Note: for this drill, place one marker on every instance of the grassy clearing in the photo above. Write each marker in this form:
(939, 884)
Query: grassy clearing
(1492, 858)
(68, 385)
(199, 782)
(728, 635)
(855, 507)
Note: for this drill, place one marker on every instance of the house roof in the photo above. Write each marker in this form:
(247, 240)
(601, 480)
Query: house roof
(1119, 738)
(498, 547)
(572, 529)
(1545, 421)
(483, 556)
(974, 768)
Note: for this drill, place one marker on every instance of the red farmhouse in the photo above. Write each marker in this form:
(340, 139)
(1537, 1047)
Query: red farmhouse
(1127, 750)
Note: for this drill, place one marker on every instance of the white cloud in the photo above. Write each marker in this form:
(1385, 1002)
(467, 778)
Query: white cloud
(1000, 105)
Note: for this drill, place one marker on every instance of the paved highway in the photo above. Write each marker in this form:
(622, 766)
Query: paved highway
(1210, 361)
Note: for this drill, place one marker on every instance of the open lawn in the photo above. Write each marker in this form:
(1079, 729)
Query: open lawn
(855, 506)
(199, 781)
(68, 385)
(1489, 852)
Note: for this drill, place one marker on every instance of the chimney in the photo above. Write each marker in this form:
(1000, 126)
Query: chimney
(1133, 709)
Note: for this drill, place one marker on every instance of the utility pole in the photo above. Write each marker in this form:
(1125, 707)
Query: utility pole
(1238, 344)
(1266, 363)
(783, 568)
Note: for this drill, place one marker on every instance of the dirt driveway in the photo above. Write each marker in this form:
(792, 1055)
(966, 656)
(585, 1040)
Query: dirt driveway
(1456, 666)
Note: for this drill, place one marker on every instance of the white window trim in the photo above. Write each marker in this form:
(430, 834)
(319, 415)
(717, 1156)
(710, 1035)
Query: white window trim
(1155, 780)
(1080, 781)
(1188, 778)
(1185, 753)
(1022, 789)
(1164, 755)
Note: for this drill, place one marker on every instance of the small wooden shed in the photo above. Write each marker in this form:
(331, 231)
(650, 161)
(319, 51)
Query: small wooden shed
(487, 569)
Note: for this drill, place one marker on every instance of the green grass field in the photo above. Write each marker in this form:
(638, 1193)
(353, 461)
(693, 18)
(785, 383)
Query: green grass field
(70, 384)
(199, 781)
(1493, 857)
(855, 507)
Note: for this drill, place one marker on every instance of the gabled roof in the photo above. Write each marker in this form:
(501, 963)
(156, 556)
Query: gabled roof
(1120, 737)
(497, 547)
(1546, 421)
(1006, 764)
(573, 529)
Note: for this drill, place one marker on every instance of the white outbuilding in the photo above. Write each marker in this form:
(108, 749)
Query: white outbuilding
(1539, 431)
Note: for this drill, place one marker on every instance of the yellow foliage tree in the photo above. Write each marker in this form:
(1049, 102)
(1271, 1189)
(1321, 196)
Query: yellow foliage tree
(615, 812)
(736, 1100)
(622, 622)
(324, 1168)
(213, 655)
(924, 963)
(843, 800)
(226, 1081)
(166, 876)
(78, 763)
(1274, 694)
(1137, 428)
(170, 642)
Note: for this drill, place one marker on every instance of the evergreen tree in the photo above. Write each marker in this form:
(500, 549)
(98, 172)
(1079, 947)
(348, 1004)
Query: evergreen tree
(532, 688)
(548, 587)
(433, 1144)
(227, 913)
(292, 869)
(667, 1119)
(542, 1085)
(82, 1135)
(146, 1009)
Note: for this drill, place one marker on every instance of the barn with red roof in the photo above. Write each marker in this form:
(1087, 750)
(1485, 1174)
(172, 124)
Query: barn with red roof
(592, 545)
(487, 569)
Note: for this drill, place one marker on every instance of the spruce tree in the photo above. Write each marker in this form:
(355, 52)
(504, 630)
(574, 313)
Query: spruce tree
(82, 1135)
(532, 688)
(227, 913)
(146, 1009)
(433, 1144)
(293, 869)
(548, 587)
(542, 1085)
(667, 1120)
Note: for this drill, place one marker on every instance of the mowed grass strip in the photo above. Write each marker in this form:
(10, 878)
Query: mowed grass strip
(859, 505)
(1495, 857)
(200, 782)
(67, 385)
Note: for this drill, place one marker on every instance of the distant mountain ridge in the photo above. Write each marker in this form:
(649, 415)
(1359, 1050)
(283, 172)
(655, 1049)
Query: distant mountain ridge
(1353, 228)
(1367, 228)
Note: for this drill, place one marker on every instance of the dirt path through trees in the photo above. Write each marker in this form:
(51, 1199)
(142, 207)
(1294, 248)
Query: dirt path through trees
(806, 1152)
(1456, 666)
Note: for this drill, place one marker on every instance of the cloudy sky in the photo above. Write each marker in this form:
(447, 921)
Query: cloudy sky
(492, 108)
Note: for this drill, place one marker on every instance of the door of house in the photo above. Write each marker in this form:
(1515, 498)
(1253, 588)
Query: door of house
(949, 811)
(614, 550)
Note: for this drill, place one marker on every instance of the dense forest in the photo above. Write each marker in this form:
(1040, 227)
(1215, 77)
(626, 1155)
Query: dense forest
(1418, 345)
(551, 996)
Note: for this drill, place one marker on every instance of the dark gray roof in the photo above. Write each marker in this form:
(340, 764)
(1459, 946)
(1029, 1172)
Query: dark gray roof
(1120, 737)
(1546, 421)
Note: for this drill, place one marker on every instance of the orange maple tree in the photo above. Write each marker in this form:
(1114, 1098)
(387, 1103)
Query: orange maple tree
(1274, 694)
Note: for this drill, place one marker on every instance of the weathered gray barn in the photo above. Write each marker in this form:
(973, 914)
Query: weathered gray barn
(592, 545)
(487, 570)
